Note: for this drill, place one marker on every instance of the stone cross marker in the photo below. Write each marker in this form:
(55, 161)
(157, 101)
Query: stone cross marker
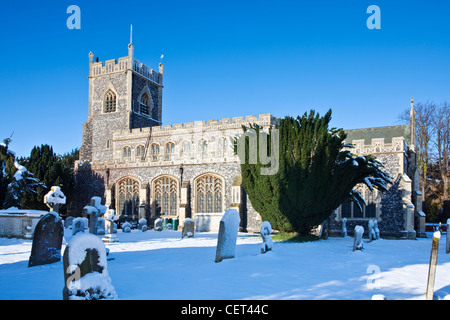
(228, 230)
(188, 228)
(94, 210)
(110, 217)
(55, 199)
(357, 242)
(266, 230)
(85, 269)
(47, 240)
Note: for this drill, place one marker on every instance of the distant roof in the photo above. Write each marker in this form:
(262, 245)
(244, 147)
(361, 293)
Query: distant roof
(387, 133)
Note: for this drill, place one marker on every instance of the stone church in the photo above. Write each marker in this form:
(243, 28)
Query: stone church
(144, 168)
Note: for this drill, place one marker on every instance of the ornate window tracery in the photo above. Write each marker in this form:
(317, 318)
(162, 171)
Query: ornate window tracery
(209, 194)
(128, 197)
(166, 196)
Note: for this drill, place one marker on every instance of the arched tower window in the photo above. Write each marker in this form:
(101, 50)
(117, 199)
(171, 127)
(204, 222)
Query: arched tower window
(209, 194)
(165, 196)
(110, 102)
(128, 198)
(144, 105)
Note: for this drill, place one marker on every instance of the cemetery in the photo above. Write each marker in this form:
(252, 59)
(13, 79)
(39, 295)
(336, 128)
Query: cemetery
(90, 258)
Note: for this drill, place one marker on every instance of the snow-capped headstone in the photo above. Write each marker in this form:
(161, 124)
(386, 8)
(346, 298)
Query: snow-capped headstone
(228, 231)
(55, 199)
(344, 227)
(158, 224)
(357, 242)
(110, 217)
(373, 230)
(85, 269)
(188, 228)
(47, 240)
(68, 222)
(79, 225)
(266, 230)
(126, 227)
(94, 210)
(142, 224)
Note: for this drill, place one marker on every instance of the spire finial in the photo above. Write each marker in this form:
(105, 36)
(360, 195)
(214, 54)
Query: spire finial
(131, 34)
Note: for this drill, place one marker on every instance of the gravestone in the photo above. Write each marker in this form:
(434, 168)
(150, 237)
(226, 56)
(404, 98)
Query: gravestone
(79, 225)
(188, 228)
(110, 217)
(373, 230)
(357, 241)
(55, 199)
(68, 222)
(228, 231)
(47, 240)
(344, 227)
(142, 224)
(266, 230)
(126, 227)
(85, 269)
(94, 210)
(158, 224)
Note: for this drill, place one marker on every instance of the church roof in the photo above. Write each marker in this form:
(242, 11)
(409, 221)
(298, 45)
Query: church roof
(387, 133)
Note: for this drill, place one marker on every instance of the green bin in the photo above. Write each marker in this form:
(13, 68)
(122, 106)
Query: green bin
(174, 224)
(164, 224)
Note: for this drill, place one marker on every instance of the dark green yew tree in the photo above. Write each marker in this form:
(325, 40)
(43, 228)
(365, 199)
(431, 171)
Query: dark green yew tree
(314, 175)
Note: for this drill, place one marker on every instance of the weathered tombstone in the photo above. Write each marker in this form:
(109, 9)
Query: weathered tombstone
(344, 227)
(110, 217)
(94, 211)
(79, 225)
(373, 230)
(68, 222)
(357, 242)
(158, 224)
(126, 227)
(266, 230)
(188, 228)
(142, 224)
(85, 269)
(377, 231)
(228, 230)
(47, 240)
(55, 199)
(432, 267)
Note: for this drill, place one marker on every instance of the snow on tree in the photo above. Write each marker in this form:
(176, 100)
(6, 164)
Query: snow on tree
(15, 177)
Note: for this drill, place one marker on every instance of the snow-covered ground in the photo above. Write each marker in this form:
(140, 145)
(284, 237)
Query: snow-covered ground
(160, 265)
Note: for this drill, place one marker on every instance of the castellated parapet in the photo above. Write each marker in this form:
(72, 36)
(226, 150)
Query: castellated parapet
(184, 143)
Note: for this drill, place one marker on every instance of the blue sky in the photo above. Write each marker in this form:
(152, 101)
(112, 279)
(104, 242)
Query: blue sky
(223, 59)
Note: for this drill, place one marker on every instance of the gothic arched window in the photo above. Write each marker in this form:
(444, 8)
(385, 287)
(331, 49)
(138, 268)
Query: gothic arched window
(209, 194)
(128, 199)
(140, 152)
(126, 152)
(110, 102)
(145, 104)
(165, 196)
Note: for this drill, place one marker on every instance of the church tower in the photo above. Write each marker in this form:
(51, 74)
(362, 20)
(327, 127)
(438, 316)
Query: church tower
(123, 95)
